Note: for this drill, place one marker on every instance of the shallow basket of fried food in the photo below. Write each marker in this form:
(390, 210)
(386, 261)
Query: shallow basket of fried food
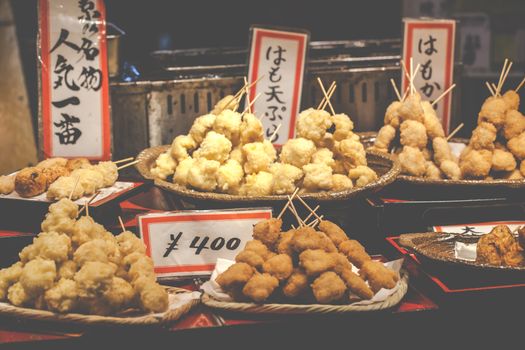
(385, 166)
(130, 317)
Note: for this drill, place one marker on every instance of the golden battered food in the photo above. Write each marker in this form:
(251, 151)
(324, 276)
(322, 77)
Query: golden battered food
(89, 180)
(52, 162)
(236, 275)
(285, 177)
(384, 138)
(493, 111)
(483, 136)
(153, 298)
(259, 184)
(334, 232)
(323, 156)
(53, 173)
(202, 175)
(431, 121)
(378, 276)
(260, 287)
(296, 283)
(512, 99)
(30, 182)
(181, 172)
(267, 232)
(355, 252)
(500, 248)
(279, 266)
(63, 187)
(201, 126)
(94, 278)
(328, 287)
(517, 146)
(352, 152)
(78, 163)
(341, 263)
(341, 182)
(412, 161)
(63, 297)
(317, 177)
(18, 296)
(343, 126)
(251, 258)
(237, 155)
(297, 152)
(316, 261)
(229, 177)
(251, 129)
(362, 175)
(7, 184)
(392, 114)
(307, 238)
(411, 109)
(285, 243)
(8, 277)
(356, 284)
(503, 160)
(450, 169)
(181, 147)
(67, 269)
(215, 147)
(165, 166)
(413, 134)
(433, 172)
(228, 123)
(37, 276)
(514, 124)
(227, 102)
(256, 158)
(129, 243)
(476, 163)
(442, 150)
(312, 124)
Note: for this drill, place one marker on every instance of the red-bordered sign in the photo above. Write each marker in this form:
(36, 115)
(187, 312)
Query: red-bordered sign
(182, 243)
(431, 44)
(74, 73)
(279, 58)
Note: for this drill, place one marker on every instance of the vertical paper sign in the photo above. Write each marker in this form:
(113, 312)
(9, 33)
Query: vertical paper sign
(74, 80)
(190, 242)
(430, 43)
(278, 58)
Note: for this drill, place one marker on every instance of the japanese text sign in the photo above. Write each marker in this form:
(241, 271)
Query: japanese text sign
(430, 43)
(278, 58)
(188, 243)
(74, 95)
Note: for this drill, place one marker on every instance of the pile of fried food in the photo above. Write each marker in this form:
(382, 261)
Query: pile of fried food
(225, 151)
(77, 266)
(304, 265)
(501, 248)
(424, 151)
(61, 178)
(496, 149)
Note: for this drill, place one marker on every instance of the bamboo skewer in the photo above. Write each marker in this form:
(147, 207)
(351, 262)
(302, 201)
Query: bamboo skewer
(247, 95)
(520, 84)
(490, 88)
(308, 207)
(74, 188)
(311, 213)
(275, 132)
(329, 96)
(404, 67)
(395, 89)
(122, 224)
(330, 89)
(503, 69)
(242, 91)
(123, 160)
(127, 165)
(251, 104)
(326, 95)
(294, 211)
(443, 94)
(287, 204)
(455, 131)
(506, 74)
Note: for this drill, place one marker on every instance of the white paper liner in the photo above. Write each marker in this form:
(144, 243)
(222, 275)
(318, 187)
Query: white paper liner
(213, 289)
(178, 300)
(465, 251)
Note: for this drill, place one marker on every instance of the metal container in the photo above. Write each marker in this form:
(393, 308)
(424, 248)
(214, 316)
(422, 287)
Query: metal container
(152, 112)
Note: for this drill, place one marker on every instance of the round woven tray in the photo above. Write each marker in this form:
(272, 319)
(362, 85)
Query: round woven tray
(298, 309)
(368, 139)
(131, 318)
(386, 167)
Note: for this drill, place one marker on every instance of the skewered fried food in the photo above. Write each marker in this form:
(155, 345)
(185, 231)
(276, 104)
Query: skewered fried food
(356, 284)
(483, 136)
(499, 247)
(53, 173)
(285, 177)
(503, 160)
(392, 114)
(228, 123)
(285, 243)
(352, 152)
(355, 252)
(153, 298)
(227, 102)
(215, 146)
(493, 111)
(63, 297)
(259, 184)
(433, 172)
(323, 156)
(476, 163)
(517, 146)
(413, 134)
(267, 232)
(7, 184)
(431, 121)
(512, 99)
(78, 163)
(514, 124)
(181, 146)
(260, 287)
(297, 152)
(30, 182)
(412, 161)
(317, 177)
(38, 275)
(334, 232)
(251, 129)
(52, 162)
(411, 109)
(384, 138)
(8, 277)
(237, 274)
(328, 287)
(202, 175)
(307, 238)
(256, 158)
(251, 258)
(316, 261)
(230, 176)
(17, 295)
(312, 124)
(341, 182)
(362, 175)
(343, 126)
(378, 276)
(164, 166)
(201, 126)
(279, 266)
(450, 169)
(182, 170)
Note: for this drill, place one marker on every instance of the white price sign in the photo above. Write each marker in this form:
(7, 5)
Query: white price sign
(479, 228)
(190, 242)
(430, 43)
(74, 79)
(279, 58)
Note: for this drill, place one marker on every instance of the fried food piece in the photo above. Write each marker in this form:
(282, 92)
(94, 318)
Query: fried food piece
(296, 283)
(433, 172)
(30, 182)
(323, 156)
(86, 229)
(328, 287)
(215, 146)
(236, 275)
(341, 263)
(109, 172)
(499, 247)
(201, 126)
(316, 261)
(279, 266)
(356, 284)
(297, 152)
(8, 277)
(378, 276)
(7, 184)
(143, 266)
(450, 169)
(89, 179)
(475, 163)
(341, 182)
(384, 138)
(97, 250)
(442, 150)
(237, 155)
(256, 158)
(412, 161)
(78, 163)
(284, 244)
(483, 136)
(229, 102)
(165, 166)
(427, 153)
(514, 124)
(228, 123)
(352, 152)
(343, 126)
(181, 147)
(411, 109)
(267, 232)
(251, 129)
(260, 287)
(229, 177)
(57, 212)
(513, 175)
(285, 177)
(67, 269)
(431, 121)
(503, 160)
(154, 298)
(413, 134)
(355, 252)
(129, 243)
(62, 297)
(63, 187)
(38, 275)
(512, 99)
(312, 124)
(517, 146)
(52, 162)
(307, 238)
(362, 175)
(49, 246)
(259, 184)
(181, 172)
(17, 295)
(334, 232)
(251, 258)
(259, 247)
(521, 237)
(317, 177)
(53, 173)
(493, 111)
(392, 114)
(120, 294)
(94, 278)
(202, 175)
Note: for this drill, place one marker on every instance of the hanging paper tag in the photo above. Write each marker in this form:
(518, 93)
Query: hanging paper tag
(74, 95)
(431, 44)
(279, 58)
(189, 243)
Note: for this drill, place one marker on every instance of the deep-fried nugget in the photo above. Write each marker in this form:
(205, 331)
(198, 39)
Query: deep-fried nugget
(362, 175)
(143, 266)
(517, 146)
(236, 275)
(67, 269)
(30, 182)
(63, 297)
(267, 231)
(280, 266)
(328, 287)
(493, 111)
(296, 283)
(119, 294)
(260, 287)
(316, 261)
(503, 160)
(413, 134)
(499, 247)
(334, 232)
(250, 257)
(483, 136)
(154, 298)
(356, 284)
(129, 243)
(341, 262)
(431, 121)
(512, 99)
(94, 278)
(17, 295)
(38, 275)
(7, 184)
(284, 245)
(378, 276)
(307, 238)
(258, 247)
(451, 169)
(392, 114)
(514, 124)
(355, 252)
(384, 138)
(475, 163)
(8, 277)
(411, 109)
(412, 161)
(50, 246)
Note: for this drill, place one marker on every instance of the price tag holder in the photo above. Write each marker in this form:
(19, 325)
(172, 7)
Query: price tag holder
(278, 56)
(74, 94)
(188, 243)
(430, 43)
(477, 229)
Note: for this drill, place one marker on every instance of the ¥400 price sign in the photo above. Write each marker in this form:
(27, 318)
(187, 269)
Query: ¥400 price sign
(188, 243)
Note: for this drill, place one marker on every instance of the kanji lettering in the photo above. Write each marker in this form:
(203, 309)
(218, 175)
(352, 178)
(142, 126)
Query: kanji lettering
(68, 133)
